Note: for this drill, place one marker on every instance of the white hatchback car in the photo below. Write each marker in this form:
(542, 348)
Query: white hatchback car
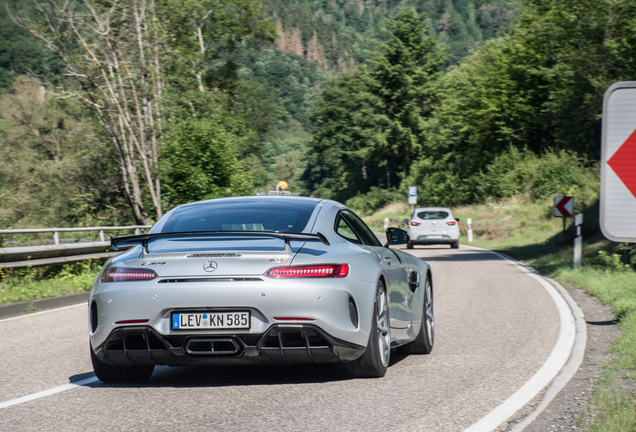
(433, 225)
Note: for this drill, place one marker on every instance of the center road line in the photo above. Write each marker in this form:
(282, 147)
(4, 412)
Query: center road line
(556, 368)
(48, 392)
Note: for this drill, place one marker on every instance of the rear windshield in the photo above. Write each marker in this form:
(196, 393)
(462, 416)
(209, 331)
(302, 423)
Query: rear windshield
(428, 215)
(241, 216)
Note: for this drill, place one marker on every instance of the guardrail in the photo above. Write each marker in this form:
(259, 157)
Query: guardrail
(33, 256)
(55, 231)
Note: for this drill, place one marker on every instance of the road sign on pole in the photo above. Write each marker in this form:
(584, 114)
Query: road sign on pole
(412, 194)
(563, 206)
(618, 163)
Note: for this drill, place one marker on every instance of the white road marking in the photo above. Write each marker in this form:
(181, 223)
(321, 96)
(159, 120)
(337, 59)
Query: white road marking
(578, 353)
(48, 392)
(42, 312)
(549, 370)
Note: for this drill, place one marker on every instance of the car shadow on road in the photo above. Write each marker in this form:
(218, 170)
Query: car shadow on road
(465, 255)
(229, 376)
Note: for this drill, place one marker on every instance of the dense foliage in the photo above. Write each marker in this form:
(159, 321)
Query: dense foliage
(130, 69)
(371, 122)
(539, 87)
(531, 97)
(322, 106)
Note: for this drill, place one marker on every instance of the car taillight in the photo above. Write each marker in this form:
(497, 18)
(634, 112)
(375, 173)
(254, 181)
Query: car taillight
(451, 223)
(121, 274)
(315, 271)
(415, 223)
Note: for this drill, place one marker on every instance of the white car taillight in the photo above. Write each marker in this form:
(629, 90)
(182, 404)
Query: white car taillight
(415, 223)
(451, 223)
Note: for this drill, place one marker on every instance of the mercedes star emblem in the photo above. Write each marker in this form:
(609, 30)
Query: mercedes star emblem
(210, 266)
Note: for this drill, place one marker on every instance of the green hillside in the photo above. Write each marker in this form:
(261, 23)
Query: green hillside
(318, 40)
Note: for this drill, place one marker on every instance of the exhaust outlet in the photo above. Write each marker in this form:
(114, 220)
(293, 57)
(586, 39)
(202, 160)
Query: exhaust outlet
(210, 346)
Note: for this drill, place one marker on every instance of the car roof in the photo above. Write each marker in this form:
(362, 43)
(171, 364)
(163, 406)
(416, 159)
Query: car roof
(432, 209)
(258, 198)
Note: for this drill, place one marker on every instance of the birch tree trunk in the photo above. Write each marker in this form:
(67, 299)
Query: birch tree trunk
(120, 56)
(118, 75)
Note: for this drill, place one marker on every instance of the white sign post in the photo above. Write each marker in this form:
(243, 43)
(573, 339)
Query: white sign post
(618, 163)
(412, 197)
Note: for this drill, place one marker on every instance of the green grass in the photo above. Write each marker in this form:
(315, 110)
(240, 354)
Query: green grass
(20, 285)
(527, 231)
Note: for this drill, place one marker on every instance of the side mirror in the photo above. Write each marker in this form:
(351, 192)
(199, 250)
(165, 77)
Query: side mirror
(406, 221)
(396, 236)
(457, 219)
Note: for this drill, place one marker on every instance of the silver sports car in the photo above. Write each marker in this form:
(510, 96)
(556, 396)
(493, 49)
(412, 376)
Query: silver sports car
(258, 280)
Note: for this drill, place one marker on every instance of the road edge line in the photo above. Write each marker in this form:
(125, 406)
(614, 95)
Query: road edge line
(41, 312)
(570, 369)
(48, 392)
(552, 370)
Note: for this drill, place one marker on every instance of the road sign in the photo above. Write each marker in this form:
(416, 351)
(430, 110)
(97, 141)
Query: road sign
(618, 163)
(412, 194)
(563, 206)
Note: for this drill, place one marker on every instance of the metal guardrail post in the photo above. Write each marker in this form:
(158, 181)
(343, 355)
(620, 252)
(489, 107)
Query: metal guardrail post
(137, 231)
(56, 238)
(101, 235)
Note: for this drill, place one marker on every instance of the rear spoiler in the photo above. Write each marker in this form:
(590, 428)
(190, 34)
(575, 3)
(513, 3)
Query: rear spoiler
(143, 239)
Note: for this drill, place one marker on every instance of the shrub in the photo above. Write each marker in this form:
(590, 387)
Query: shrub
(372, 200)
(519, 171)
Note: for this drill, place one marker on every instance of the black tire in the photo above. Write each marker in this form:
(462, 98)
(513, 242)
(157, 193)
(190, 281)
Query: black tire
(120, 374)
(375, 360)
(425, 339)
(409, 245)
(455, 244)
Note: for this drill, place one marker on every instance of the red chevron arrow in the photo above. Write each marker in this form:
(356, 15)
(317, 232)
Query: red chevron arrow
(623, 162)
(560, 206)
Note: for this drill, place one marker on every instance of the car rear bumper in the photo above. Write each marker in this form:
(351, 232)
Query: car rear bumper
(422, 240)
(324, 303)
(280, 344)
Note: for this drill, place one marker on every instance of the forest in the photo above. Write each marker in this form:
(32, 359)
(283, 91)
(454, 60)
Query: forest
(115, 112)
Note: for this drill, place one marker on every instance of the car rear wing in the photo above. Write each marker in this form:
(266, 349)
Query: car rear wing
(144, 239)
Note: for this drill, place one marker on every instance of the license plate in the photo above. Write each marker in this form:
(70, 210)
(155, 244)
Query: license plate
(210, 320)
(434, 236)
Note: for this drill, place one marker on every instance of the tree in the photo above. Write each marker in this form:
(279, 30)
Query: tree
(18, 52)
(348, 128)
(126, 60)
(406, 70)
(44, 148)
(200, 160)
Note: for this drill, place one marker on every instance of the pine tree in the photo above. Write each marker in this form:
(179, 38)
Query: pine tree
(406, 70)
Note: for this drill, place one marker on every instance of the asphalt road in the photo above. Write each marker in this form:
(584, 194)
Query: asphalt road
(495, 327)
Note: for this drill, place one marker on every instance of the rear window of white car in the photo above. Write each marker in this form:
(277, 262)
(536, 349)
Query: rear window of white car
(429, 215)
(240, 216)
